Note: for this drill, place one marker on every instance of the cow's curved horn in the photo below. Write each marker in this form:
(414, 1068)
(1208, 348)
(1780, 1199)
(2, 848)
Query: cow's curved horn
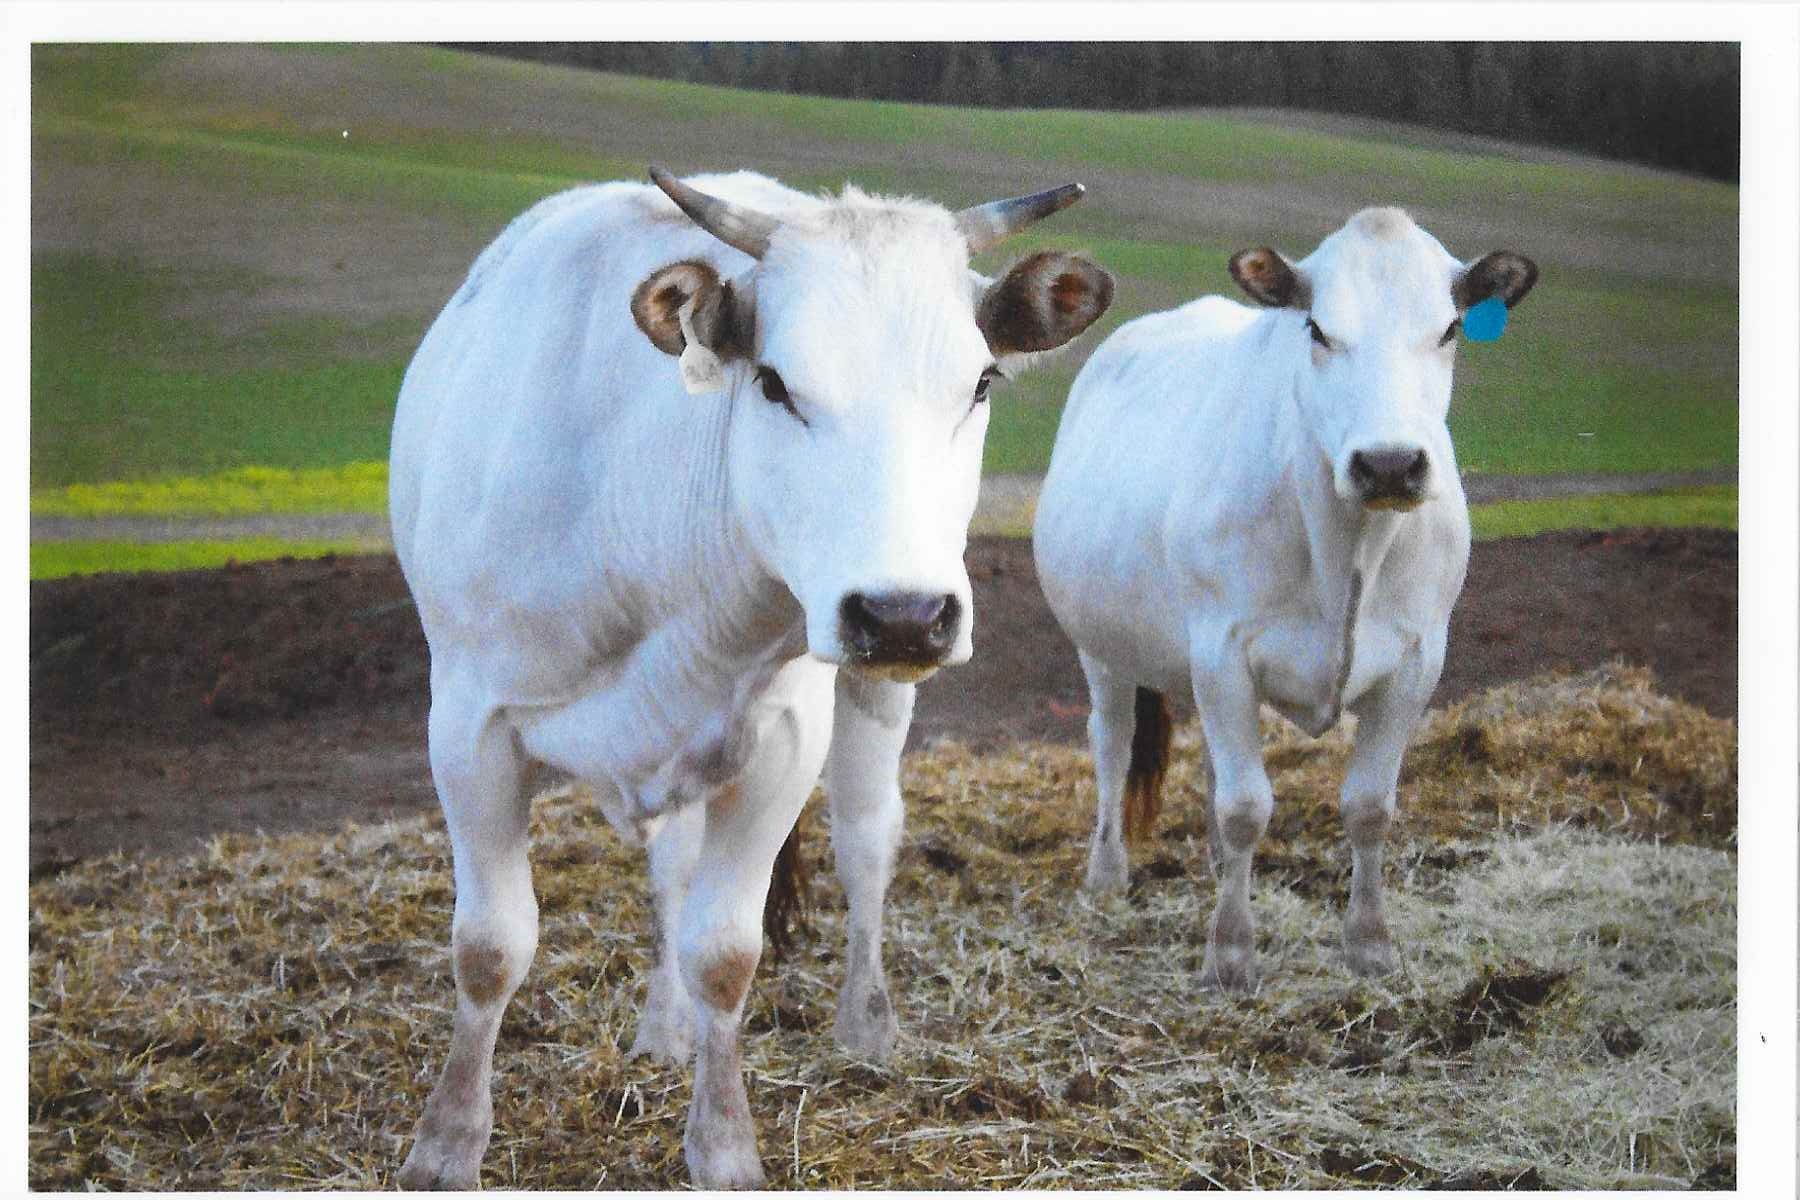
(985, 224)
(739, 227)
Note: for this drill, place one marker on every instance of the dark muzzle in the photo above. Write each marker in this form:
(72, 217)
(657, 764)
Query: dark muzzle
(1390, 478)
(899, 629)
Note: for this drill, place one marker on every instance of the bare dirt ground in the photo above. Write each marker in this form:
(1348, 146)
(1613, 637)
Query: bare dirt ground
(284, 696)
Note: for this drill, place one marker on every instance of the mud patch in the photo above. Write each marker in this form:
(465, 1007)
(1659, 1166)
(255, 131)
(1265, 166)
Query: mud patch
(291, 695)
(1500, 1001)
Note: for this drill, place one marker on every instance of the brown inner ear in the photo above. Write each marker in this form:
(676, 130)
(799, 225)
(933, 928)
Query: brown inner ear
(1268, 279)
(1046, 299)
(668, 301)
(1502, 273)
(1259, 268)
(1068, 293)
(657, 303)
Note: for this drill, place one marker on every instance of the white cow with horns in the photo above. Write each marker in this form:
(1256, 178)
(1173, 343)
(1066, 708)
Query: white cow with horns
(669, 459)
(1263, 505)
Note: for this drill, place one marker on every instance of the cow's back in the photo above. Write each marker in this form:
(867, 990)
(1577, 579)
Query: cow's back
(550, 477)
(1165, 410)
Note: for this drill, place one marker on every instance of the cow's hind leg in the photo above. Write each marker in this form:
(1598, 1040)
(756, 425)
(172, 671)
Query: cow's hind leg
(1242, 802)
(720, 938)
(862, 780)
(493, 935)
(665, 1031)
(1386, 717)
(1111, 722)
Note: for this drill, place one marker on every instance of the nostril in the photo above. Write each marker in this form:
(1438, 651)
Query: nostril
(862, 625)
(943, 629)
(1415, 472)
(1360, 470)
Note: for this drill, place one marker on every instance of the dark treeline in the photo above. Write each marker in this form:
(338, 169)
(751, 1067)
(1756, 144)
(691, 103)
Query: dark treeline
(1669, 104)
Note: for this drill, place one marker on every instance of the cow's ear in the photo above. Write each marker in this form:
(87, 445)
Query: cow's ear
(1502, 273)
(1269, 279)
(713, 310)
(1042, 303)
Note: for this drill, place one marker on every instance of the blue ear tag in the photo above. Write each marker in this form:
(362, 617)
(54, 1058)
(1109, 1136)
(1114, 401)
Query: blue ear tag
(1485, 322)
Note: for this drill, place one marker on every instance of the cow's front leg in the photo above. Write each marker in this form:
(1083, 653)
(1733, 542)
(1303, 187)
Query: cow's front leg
(493, 934)
(1242, 802)
(1386, 717)
(720, 938)
(665, 1031)
(862, 781)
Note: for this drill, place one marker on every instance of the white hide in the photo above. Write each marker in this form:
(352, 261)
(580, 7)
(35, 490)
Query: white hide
(641, 587)
(1197, 530)
(583, 531)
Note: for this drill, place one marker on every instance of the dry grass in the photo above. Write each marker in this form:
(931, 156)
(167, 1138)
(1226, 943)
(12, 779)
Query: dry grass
(1563, 886)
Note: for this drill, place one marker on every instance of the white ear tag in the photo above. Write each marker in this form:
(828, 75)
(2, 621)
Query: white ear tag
(701, 370)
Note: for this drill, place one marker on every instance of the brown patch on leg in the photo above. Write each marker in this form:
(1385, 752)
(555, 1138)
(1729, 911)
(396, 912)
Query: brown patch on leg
(481, 972)
(1366, 825)
(725, 798)
(726, 979)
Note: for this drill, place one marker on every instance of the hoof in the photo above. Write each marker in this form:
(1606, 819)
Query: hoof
(1368, 947)
(867, 1027)
(663, 1040)
(1371, 958)
(1231, 969)
(665, 1029)
(727, 1163)
(445, 1157)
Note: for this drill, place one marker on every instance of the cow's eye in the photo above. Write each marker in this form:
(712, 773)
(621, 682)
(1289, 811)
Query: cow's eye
(1318, 335)
(1450, 333)
(775, 391)
(986, 381)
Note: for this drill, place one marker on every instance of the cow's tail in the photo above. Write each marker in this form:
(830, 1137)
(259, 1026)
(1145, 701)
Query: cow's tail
(790, 888)
(1150, 737)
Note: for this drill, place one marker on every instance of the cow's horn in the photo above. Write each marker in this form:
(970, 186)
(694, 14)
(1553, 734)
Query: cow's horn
(739, 227)
(985, 224)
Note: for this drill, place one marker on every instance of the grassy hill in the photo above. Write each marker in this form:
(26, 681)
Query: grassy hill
(235, 249)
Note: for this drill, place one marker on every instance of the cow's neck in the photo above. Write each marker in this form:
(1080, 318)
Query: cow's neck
(741, 611)
(1347, 545)
(749, 613)
(686, 690)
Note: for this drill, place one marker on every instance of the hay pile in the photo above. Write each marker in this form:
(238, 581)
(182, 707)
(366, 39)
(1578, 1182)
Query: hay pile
(271, 1014)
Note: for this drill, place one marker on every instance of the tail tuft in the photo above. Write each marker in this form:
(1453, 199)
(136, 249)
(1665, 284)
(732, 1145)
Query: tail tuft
(790, 896)
(1150, 737)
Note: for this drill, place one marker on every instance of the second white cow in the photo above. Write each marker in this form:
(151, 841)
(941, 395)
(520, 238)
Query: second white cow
(670, 458)
(1263, 505)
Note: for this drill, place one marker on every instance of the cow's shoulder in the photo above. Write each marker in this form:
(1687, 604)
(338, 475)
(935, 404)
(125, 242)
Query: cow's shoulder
(1215, 318)
(1207, 324)
(592, 204)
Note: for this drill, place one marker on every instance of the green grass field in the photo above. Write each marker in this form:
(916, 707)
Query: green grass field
(235, 250)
